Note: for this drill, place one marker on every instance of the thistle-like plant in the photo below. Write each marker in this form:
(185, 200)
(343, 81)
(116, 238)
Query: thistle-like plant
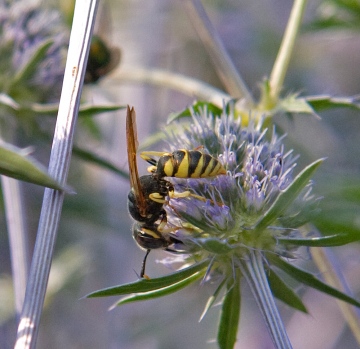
(248, 223)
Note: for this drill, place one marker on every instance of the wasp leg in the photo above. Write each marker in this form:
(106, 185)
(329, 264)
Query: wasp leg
(163, 222)
(185, 194)
(151, 169)
(162, 227)
(142, 273)
(148, 156)
(157, 197)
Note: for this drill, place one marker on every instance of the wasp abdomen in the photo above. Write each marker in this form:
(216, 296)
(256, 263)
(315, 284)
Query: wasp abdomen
(189, 164)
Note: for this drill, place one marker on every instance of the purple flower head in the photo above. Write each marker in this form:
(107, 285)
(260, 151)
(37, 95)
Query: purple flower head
(24, 29)
(219, 218)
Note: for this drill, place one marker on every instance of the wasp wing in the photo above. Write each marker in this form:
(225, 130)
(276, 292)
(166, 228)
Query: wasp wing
(132, 145)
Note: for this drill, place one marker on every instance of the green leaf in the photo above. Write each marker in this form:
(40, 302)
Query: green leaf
(32, 64)
(310, 280)
(90, 110)
(144, 285)
(230, 314)
(85, 110)
(153, 139)
(15, 163)
(322, 241)
(337, 14)
(287, 196)
(340, 207)
(284, 293)
(7, 101)
(214, 245)
(323, 102)
(295, 104)
(160, 292)
(98, 160)
(212, 299)
(197, 107)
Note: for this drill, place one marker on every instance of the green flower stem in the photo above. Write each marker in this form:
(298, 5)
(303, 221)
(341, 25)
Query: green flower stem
(324, 260)
(283, 58)
(253, 270)
(83, 23)
(212, 42)
(18, 242)
(191, 87)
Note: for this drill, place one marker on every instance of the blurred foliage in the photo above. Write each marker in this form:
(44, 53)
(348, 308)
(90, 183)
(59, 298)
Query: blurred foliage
(335, 15)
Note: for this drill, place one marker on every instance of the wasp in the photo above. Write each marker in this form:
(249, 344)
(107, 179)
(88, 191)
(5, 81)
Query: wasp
(183, 163)
(149, 193)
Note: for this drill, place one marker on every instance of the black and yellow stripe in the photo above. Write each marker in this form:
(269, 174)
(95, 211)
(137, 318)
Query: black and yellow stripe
(188, 164)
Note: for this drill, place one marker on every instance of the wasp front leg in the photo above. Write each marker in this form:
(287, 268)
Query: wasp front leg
(186, 194)
(148, 157)
(157, 197)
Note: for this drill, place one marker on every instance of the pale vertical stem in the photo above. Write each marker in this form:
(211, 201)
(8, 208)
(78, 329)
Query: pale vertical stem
(286, 49)
(324, 260)
(17, 232)
(84, 17)
(223, 64)
(253, 270)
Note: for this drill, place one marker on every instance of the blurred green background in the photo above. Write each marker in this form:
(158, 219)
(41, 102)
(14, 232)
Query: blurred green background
(95, 248)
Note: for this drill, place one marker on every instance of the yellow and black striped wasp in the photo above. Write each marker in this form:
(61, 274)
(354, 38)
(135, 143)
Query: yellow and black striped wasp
(149, 193)
(183, 163)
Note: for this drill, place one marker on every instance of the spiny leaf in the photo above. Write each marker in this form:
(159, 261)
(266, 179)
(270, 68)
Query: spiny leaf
(283, 292)
(15, 163)
(7, 101)
(160, 292)
(197, 107)
(287, 196)
(230, 314)
(32, 65)
(90, 110)
(322, 241)
(324, 102)
(295, 104)
(98, 160)
(214, 245)
(144, 285)
(310, 280)
(212, 299)
(84, 110)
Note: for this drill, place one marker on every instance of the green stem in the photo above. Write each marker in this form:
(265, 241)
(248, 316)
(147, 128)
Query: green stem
(283, 58)
(254, 272)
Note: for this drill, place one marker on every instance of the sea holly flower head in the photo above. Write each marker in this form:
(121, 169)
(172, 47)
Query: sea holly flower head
(32, 49)
(245, 224)
(222, 227)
